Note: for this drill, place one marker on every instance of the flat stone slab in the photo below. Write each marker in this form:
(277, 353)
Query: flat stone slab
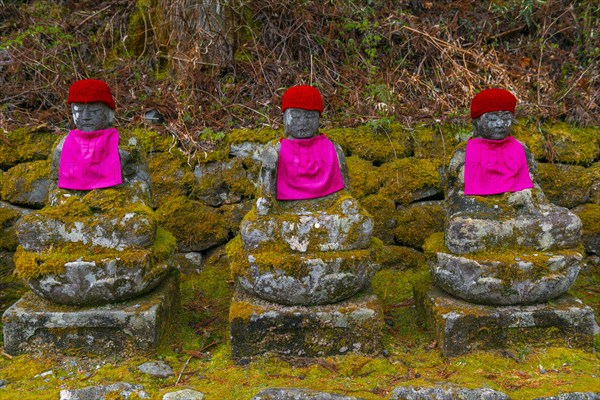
(352, 326)
(33, 324)
(461, 327)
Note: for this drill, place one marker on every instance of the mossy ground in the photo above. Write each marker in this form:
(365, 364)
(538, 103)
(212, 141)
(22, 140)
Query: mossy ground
(197, 349)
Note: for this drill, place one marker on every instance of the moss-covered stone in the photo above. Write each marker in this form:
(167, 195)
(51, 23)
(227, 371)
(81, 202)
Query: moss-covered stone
(8, 237)
(375, 145)
(410, 179)
(150, 141)
(530, 135)
(383, 210)
(27, 184)
(590, 219)
(225, 182)
(433, 142)
(573, 145)
(262, 135)
(233, 214)
(594, 173)
(418, 221)
(171, 175)
(400, 257)
(23, 145)
(196, 226)
(565, 185)
(364, 177)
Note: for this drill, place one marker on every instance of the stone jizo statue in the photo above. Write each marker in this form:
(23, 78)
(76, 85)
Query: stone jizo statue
(94, 241)
(506, 243)
(297, 241)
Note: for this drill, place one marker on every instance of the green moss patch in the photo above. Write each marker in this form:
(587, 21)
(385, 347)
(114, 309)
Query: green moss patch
(376, 145)
(364, 177)
(150, 141)
(383, 210)
(23, 145)
(573, 145)
(565, 185)
(433, 142)
(400, 257)
(263, 135)
(404, 178)
(192, 223)
(590, 217)
(417, 222)
(170, 174)
(22, 179)
(529, 134)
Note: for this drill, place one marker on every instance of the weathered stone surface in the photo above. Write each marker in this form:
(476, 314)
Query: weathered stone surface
(460, 327)
(351, 326)
(446, 392)
(572, 396)
(565, 185)
(185, 394)
(123, 389)
(221, 183)
(3, 383)
(40, 231)
(188, 263)
(504, 279)
(100, 282)
(477, 223)
(418, 221)
(342, 227)
(156, 369)
(299, 394)
(246, 149)
(27, 184)
(137, 325)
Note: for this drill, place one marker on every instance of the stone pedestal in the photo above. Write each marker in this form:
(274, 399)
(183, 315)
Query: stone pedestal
(460, 327)
(352, 326)
(136, 325)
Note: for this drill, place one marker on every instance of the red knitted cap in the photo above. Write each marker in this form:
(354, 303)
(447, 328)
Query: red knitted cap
(90, 91)
(490, 100)
(303, 97)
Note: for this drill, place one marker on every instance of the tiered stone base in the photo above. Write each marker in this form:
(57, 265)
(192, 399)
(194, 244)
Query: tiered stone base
(351, 326)
(461, 327)
(33, 324)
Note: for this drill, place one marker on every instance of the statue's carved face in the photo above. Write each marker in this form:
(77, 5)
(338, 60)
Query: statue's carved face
(300, 124)
(89, 117)
(493, 125)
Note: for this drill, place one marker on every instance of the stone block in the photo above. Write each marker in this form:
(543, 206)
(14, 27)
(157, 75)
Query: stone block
(460, 327)
(137, 325)
(352, 326)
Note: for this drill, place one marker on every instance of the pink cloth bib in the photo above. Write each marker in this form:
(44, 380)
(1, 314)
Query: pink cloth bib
(307, 169)
(90, 160)
(495, 166)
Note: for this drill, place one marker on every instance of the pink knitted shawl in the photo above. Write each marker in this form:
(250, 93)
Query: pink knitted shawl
(90, 160)
(495, 166)
(307, 169)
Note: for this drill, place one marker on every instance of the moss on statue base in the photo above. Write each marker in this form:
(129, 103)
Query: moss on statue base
(29, 265)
